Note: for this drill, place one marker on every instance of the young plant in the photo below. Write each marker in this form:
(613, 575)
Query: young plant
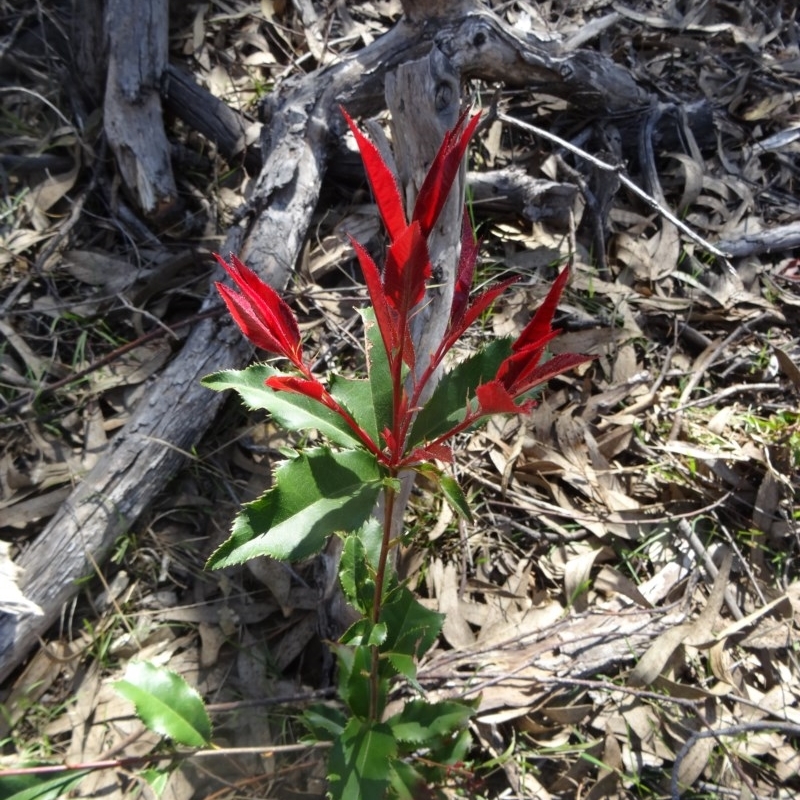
(377, 427)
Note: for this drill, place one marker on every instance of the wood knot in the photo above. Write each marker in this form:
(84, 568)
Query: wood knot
(444, 95)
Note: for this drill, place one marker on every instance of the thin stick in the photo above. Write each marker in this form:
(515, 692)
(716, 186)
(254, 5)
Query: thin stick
(623, 178)
(133, 761)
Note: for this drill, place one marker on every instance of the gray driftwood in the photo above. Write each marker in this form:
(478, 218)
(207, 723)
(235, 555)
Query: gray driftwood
(302, 118)
(424, 98)
(514, 674)
(137, 58)
(217, 121)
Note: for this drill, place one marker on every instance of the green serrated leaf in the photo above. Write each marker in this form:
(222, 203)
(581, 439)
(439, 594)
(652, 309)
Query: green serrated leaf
(405, 665)
(316, 494)
(450, 489)
(364, 632)
(166, 703)
(294, 412)
(448, 403)
(356, 577)
(325, 722)
(407, 783)
(40, 787)
(361, 761)
(371, 535)
(453, 750)
(380, 378)
(422, 723)
(355, 394)
(410, 627)
(354, 689)
(156, 779)
(455, 496)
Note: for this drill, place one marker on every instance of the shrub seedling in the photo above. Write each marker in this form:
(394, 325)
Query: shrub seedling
(378, 426)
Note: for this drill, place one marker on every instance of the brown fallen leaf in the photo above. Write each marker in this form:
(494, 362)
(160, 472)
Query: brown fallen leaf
(696, 632)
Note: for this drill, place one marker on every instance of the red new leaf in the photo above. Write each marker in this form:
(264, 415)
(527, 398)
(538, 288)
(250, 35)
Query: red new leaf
(292, 383)
(456, 327)
(541, 324)
(384, 315)
(557, 365)
(246, 317)
(516, 367)
(465, 271)
(435, 450)
(407, 270)
(493, 398)
(439, 179)
(383, 183)
(260, 312)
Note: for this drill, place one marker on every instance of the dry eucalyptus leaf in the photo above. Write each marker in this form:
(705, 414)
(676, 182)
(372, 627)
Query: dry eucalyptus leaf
(96, 268)
(696, 632)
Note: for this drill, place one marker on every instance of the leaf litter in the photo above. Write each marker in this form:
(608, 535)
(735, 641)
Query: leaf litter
(585, 605)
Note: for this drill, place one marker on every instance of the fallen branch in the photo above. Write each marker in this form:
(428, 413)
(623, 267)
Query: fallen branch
(771, 240)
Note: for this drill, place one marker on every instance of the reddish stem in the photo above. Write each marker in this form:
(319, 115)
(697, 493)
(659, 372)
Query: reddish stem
(363, 436)
(403, 427)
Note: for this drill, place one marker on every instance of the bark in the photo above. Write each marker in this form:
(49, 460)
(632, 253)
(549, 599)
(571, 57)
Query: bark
(217, 121)
(484, 47)
(88, 51)
(137, 40)
(424, 97)
(511, 192)
(516, 674)
(503, 193)
(781, 238)
(301, 120)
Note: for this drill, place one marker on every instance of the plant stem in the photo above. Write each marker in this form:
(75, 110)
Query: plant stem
(388, 512)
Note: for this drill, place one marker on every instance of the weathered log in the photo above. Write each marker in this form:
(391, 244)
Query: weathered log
(484, 47)
(301, 117)
(516, 672)
(506, 192)
(138, 37)
(512, 192)
(424, 98)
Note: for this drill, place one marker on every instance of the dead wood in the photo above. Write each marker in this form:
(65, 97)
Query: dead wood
(424, 98)
(511, 192)
(515, 674)
(138, 37)
(89, 46)
(771, 240)
(300, 119)
(505, 192)
(217, 121)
